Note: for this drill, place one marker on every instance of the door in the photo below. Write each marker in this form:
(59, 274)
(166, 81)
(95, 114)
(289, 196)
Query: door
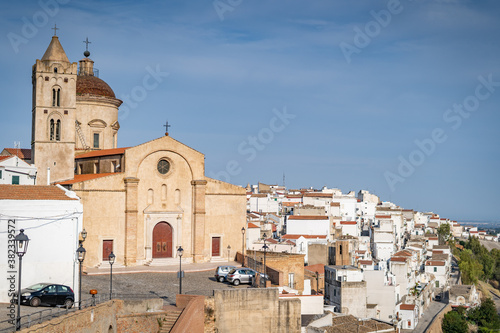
(50, 295)
(215, 246)
(162, 240)
(107, 248)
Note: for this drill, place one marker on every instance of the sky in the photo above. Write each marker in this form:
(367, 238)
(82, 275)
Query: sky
(400, 98)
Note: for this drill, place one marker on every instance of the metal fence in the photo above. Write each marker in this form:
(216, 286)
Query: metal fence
(54, 312)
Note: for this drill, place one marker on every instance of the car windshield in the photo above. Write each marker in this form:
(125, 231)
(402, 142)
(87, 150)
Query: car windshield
(38, 286)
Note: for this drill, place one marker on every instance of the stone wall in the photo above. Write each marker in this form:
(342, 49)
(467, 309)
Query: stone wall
(261, 309)
(112, 316)
(192, 318)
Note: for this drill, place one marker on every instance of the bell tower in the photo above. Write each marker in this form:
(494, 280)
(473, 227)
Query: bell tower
(53, 115)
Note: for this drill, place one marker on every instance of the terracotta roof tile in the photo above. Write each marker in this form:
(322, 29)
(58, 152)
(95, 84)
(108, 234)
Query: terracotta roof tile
(287, 236)
(89, 176)
(5, 157)
(305, 217)
(434, 263)
(348, 222)
(103, 152)
(410, 307)
(252, 225)
(32, 192)
(365, 262)
(316, 268)
(22, 153)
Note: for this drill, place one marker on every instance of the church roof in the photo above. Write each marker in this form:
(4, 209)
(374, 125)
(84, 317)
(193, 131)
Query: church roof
(89, 176)
(55, 51)
(32, 192)
(92, 85)
(103, 152)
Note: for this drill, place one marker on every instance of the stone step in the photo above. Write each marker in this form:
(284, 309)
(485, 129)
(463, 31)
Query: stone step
(169, 321)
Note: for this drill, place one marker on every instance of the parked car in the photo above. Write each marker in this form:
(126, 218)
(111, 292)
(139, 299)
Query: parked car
(47, 294)
(221, 272)
(242, 275)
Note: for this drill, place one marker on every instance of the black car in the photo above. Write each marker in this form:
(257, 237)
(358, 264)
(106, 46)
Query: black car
(47, 294)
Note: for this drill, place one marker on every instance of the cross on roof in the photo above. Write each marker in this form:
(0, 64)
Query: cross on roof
(166, 127)
(86, 41)
(55, 28)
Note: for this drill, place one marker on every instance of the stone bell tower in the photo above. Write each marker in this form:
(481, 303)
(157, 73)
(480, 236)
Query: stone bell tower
(53, 115)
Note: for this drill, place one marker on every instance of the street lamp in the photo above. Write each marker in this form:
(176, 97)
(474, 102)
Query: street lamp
(21, 246)
(111, 259)
(228, 252)
(265, 247)
(180, 252)
(80, 254)
(243, 243)
(84, 236)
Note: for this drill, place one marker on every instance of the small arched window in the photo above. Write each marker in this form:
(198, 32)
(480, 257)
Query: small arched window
(55, 69)
(58, 130)
(51, 129)
(150, 196)
(56, 101)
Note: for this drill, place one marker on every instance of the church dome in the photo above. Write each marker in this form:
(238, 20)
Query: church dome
(92, 85)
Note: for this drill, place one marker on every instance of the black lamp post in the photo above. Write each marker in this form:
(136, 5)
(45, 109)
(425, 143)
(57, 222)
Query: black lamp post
(180, 252)
(243, 243)
(265, 247)
(21, 243)
(111, 259)
(80, 253)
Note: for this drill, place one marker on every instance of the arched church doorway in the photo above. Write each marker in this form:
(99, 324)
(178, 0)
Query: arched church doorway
(162, 240)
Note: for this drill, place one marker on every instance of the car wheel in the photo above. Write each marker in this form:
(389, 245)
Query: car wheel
(221, 279)
(236, 282)
(68, 303)
(35, 301)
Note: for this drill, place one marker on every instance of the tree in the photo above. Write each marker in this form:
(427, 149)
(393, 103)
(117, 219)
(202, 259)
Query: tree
(454, 322)
(443, 232)
(470, 268)
(486, 315)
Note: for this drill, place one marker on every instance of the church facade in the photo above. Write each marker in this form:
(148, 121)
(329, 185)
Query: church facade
(143, 202)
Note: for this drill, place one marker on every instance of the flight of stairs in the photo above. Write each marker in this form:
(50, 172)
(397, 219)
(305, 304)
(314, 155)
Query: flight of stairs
(169, 320)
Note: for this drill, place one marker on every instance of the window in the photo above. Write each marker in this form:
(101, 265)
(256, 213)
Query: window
(55, 69)
(0, 174)
(55, 97)
(58, 130)
(15, 180)
(334, 292)
(435, 269)
(96, 140)
(51, 129)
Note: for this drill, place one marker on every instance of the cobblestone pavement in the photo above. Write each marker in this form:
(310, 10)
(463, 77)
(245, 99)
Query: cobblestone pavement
(164, 285)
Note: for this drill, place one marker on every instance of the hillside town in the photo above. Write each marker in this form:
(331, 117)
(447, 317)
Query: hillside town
(317, 260)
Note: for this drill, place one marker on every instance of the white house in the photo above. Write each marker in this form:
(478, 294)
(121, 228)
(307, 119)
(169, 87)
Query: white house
(408, 316)
(350, 228)
(308, 225)
(51, 217)
(440, 270)
(14, 170)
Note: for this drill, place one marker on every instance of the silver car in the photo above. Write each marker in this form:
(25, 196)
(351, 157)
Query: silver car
(241, 275)
(221, 272)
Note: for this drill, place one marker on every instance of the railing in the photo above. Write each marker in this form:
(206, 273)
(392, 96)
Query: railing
(50, 313)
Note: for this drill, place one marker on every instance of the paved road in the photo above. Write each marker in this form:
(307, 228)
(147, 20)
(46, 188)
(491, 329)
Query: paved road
(429, 314)
(163, 285)
(489, 245)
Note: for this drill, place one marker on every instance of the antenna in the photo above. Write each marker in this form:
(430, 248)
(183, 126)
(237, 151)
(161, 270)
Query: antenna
(17, 146)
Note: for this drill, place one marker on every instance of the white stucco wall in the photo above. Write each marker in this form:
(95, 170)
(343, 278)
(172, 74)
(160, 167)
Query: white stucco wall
(53, 227)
